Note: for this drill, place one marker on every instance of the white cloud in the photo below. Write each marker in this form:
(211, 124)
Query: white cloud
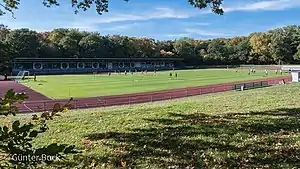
(89, 28)
(178, 35)
(93, 23)
(205, 33)
(192, 32)
(37, 26)
(194, 23)
(157, 13)
(121, 27)
(202, 24)
(265, 6)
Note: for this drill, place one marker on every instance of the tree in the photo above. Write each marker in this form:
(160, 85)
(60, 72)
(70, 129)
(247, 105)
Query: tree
(241, 51)
(107, 47)
(292, 33)
(167, 46)
(56, 35)
(294, 37)
(69, 46)
(5, 59)
(185, 48)
(217, 51)
(54, 41)
(23, 43)
(146, 47)
(297, 55)
(238, 49)
(70, 42)
(117, 49)
(201, 50)
(4, 31)
(67, 41)
(102, 5)
(260, 44)
(284, 42)
(279, 47)
(47, 48)
(90, 45)
(130, 47)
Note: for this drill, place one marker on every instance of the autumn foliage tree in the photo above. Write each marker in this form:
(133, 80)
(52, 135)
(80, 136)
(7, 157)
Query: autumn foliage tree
(276, 46)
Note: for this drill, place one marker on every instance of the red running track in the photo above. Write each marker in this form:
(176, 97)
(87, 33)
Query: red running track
(19, 88)
(37, 102)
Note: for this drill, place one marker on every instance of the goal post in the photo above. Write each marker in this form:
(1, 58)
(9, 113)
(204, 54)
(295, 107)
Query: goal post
(22, 75)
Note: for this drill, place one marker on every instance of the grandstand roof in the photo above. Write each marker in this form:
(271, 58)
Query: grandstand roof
(96, 59)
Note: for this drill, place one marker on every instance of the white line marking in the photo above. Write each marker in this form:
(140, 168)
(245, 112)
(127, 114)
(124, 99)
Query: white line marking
(28, 108)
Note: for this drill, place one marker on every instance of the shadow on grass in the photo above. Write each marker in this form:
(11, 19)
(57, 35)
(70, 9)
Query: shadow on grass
(232, 140)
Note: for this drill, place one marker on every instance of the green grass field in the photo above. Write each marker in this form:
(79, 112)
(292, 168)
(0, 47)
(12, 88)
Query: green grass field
(250, 129)
(65, 86)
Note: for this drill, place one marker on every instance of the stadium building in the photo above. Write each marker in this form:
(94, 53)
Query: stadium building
(89, 65)
(294, 70)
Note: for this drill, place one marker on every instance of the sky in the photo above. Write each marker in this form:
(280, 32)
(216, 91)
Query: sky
(160, 19)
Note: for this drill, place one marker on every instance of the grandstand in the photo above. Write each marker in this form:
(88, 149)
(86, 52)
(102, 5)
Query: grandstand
(89, 65)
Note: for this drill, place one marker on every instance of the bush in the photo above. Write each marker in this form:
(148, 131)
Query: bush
(16, 149)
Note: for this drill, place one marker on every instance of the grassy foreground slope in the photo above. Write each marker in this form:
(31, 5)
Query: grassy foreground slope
(88, 85)
(249, 129)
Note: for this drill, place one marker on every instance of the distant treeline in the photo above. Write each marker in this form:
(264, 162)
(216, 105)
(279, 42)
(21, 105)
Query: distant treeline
(276, 46)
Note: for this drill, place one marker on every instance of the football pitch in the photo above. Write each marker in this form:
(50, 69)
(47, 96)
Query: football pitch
(89, 85)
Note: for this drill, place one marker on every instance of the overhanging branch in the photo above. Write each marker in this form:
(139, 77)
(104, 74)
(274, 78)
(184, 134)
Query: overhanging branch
(7, 9)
